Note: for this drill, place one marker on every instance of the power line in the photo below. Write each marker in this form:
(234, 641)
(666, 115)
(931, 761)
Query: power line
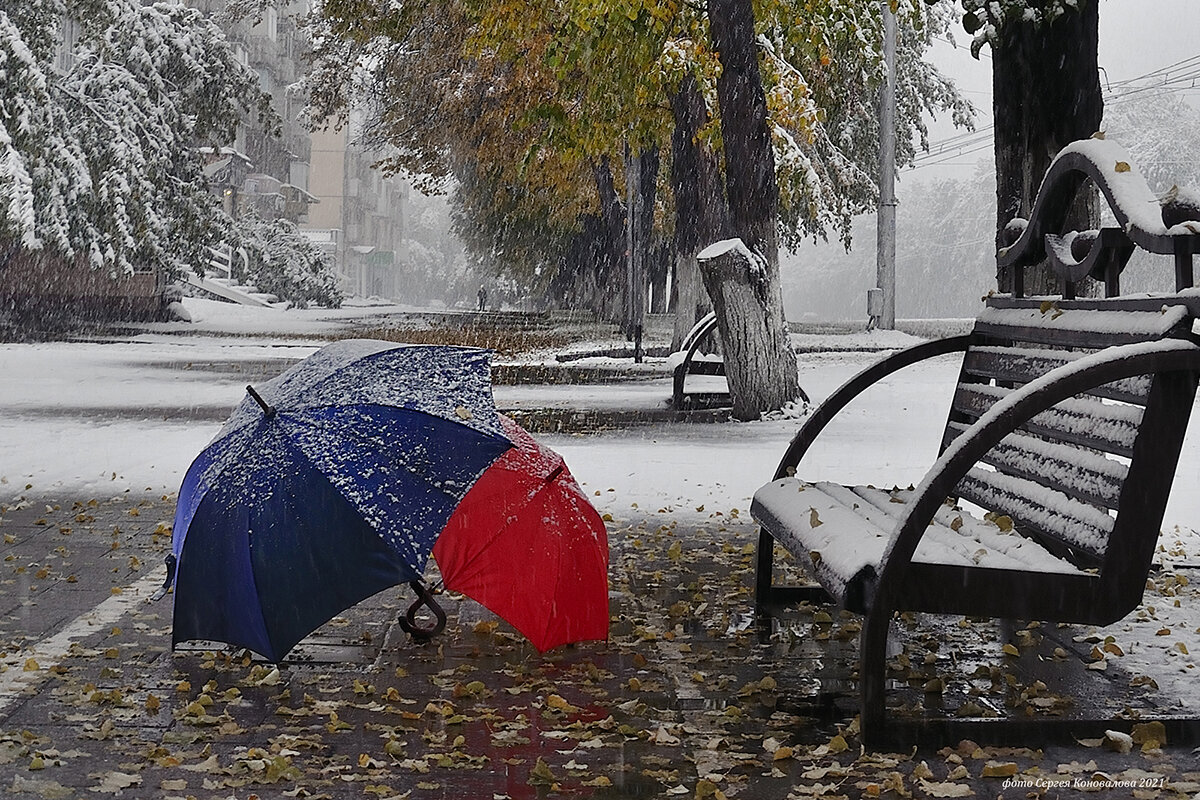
(958, 46)
(1180, 75)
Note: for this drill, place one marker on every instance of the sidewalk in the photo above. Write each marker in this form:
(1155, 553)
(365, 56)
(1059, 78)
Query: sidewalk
(688, 698)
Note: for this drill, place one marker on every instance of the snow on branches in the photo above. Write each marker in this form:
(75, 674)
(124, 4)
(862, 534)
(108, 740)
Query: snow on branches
(282, 261)
(102, 105)
(984, 18)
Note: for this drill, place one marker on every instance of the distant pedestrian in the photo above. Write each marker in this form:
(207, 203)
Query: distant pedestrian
(483, 298)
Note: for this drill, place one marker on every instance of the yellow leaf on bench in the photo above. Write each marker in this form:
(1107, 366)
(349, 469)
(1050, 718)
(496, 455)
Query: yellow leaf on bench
(813, 519)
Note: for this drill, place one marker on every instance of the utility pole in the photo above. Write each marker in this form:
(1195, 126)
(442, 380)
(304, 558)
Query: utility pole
(881, 304)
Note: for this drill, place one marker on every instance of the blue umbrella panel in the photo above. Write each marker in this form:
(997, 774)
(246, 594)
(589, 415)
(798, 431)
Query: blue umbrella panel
(327, 486)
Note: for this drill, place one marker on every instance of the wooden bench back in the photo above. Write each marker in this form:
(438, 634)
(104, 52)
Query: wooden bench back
(1063, 477)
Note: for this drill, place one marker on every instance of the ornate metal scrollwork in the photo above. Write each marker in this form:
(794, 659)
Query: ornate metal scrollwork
(1164, 225)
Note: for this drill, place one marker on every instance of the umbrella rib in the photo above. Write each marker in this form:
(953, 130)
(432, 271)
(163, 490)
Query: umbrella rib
(217, 470)
(549, 617)
(297, 412)
(298, 418)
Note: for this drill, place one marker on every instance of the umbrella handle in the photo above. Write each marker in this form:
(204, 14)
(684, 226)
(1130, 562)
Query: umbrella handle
(409, 621)
(166, 587)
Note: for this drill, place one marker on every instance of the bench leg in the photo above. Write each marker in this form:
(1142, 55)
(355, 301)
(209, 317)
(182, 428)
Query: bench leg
(765, 590)
(872, 674)
(764, 573)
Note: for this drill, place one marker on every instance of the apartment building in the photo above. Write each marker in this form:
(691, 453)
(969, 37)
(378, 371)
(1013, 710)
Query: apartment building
(323, 181)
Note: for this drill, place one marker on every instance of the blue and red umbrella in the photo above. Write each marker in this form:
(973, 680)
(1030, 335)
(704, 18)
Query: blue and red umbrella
(333, 482)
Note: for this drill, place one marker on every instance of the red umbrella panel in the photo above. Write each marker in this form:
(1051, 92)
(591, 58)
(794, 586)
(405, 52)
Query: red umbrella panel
(526, 544)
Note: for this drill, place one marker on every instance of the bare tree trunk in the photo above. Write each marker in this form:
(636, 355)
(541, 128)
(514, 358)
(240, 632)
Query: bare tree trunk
(759, 362)
(657, 271)
(749, 158)
(700, 212)
(1046, 94)
(640, 250)
(691, 301)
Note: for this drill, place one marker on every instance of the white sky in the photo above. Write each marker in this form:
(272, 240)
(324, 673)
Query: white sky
(1137, 37)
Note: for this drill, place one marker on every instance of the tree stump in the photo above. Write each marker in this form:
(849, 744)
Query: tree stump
(760, 365)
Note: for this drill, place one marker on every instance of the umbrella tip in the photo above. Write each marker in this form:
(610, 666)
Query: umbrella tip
(268, 411)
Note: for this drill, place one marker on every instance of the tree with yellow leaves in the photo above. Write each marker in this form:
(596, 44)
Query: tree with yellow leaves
(532, 105)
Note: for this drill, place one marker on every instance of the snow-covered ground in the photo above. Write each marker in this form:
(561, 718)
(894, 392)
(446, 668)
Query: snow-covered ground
(74, 415)
(82, 420)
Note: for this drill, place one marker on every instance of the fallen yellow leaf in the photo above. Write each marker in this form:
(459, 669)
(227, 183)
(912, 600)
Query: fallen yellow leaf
(998, 769)
(541, 775)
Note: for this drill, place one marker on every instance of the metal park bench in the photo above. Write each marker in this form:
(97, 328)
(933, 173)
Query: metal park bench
(691, 361)
(1065, 427)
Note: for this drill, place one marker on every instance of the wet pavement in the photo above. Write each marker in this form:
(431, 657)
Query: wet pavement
(690, 697)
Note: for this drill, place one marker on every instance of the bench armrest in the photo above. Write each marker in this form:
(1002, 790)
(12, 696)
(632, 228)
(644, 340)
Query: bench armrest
(828, 409)
(1108, 365)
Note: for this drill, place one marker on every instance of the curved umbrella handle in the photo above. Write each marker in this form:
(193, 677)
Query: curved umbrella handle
(409, 621)
(166, 587)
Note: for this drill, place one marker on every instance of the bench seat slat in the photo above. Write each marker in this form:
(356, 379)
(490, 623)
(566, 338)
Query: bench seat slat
(1090, 328)
(851, 527)
(981, 543)
(1039, 510)
(1110, 427)
(1022, 364)
(805, 520)
(1078, 472)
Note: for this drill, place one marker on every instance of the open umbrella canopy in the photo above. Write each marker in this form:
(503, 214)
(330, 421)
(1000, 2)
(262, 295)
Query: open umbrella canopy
(526, 543)
(328, 484)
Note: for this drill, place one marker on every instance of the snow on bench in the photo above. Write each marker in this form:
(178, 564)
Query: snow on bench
(1063, 435)
(846, 530)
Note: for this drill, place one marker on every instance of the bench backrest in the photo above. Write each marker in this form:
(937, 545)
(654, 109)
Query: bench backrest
(1064, 476)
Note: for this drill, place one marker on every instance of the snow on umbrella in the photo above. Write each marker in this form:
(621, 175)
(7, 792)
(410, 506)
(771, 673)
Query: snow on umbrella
(329, 484)
(526, 543)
